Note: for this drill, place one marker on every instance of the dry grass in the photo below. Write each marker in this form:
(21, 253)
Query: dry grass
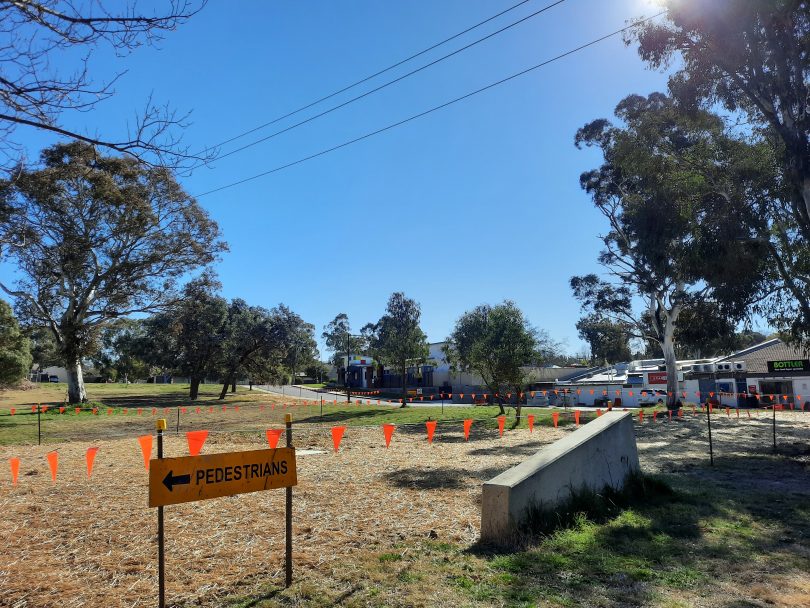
(91, 542)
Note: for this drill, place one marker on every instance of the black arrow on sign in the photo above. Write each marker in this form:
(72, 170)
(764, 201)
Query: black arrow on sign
(169, 481)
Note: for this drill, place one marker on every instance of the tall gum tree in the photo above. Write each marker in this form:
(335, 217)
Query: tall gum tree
(100, 238)
(752, 58)
(674, 187)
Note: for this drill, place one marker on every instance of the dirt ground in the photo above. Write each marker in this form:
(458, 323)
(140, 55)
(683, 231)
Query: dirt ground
(91, 542)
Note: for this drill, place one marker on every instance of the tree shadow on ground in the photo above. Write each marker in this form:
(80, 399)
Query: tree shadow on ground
(443, 478)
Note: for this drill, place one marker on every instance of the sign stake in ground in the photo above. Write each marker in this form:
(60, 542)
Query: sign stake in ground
(191, 478)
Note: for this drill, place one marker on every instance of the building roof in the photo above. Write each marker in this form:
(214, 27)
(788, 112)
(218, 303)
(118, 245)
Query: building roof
(756, 357)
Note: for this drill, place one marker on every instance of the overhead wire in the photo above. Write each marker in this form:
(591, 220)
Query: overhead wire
(385, 84)
(430, 110)
(369, 77)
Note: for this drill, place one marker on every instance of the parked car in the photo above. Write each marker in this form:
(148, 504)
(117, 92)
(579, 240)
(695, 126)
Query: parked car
(53, 378)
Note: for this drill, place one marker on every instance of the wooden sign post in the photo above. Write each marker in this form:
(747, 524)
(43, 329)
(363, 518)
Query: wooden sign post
(191, 478)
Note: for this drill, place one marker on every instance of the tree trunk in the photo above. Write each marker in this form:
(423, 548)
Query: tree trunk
(76, 392)
(668, 346)
(404, 385)
(500, 405)
(195, 388)
(233, 385)
(225, 384)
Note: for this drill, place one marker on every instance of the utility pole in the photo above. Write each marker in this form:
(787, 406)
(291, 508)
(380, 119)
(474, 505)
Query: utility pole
(346, 373)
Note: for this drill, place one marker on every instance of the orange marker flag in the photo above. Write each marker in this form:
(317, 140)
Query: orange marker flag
(461, 395)
(211, 410)
(124, 411)
(78, 409)
(467, 424)
(95, 411)
(109, 411)
(680, 412)
(430, 425)
(154, 411)
(598, 412)
(90, 457)
(61, 410)
(13, 411)
(45, 408)
(15, 470)
(224, 408)
(272, 437)
(197, 410)
(655, 416)
(196, 440)
(235, 408)
(388, 431)
(591, 391)
(53, 463)
(501, 423)
(183, 410)
(532, 394)
(146, 449)
(641, 416)
(530, 418)
(555, 418)
(576, 417)
(33, 408)
(337, 435)
(140, 411)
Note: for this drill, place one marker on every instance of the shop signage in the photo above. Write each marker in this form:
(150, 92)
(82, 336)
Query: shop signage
(789, 365)
(657, 378)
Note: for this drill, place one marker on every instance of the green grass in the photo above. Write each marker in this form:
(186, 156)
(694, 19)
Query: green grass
(662, 543)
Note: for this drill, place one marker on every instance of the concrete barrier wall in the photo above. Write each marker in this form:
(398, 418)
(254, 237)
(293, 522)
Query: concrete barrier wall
(600, 453)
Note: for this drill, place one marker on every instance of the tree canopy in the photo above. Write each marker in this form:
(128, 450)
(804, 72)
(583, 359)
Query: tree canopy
(674, 187)
(497, 343)
(753, 59)
(15, 350)
(99, 238)
(34, 94)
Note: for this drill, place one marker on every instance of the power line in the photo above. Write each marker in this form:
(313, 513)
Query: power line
(389, 83)
(431, 110)
(367, 78)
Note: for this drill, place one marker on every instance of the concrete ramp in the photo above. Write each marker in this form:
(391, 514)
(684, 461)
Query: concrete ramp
(600, 453)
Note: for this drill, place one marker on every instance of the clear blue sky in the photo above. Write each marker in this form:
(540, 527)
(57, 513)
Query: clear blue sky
(476, 203)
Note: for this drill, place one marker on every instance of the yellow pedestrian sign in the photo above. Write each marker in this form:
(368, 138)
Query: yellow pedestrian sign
(189, 478)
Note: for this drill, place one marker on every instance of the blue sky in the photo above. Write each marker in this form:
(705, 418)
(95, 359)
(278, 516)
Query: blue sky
(476, 203)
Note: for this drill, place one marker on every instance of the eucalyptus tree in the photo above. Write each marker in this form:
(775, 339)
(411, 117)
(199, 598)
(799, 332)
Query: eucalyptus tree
(99, 238)
(398, 339)
(674, 189)
(752, 59)
(15, 349)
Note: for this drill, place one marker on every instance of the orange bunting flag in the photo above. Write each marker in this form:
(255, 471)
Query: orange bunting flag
(95, 411)
(224, 408)
(530, 418)
(61, 410)
(211, 410)
(591, 391)
(598, 412)
(44, 408)
(388, 431)
(501, 423)
(183, 410)
(124, 411)
(532, 394)
(461, 395)
(337, 435)
(140, 411)
(15, 470)
(196, 440)
(272, 437)
(90, 457)
(467, 424)
(196, 410)
(473, 395)
(109, 412)
(154, 411)
(146, 449)
(165, 410)
(33, 408)
(579, 391)
(576, 417)
(430, 425)
(555, 418)
(78, 409)
(13, 411)
(53, 463)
